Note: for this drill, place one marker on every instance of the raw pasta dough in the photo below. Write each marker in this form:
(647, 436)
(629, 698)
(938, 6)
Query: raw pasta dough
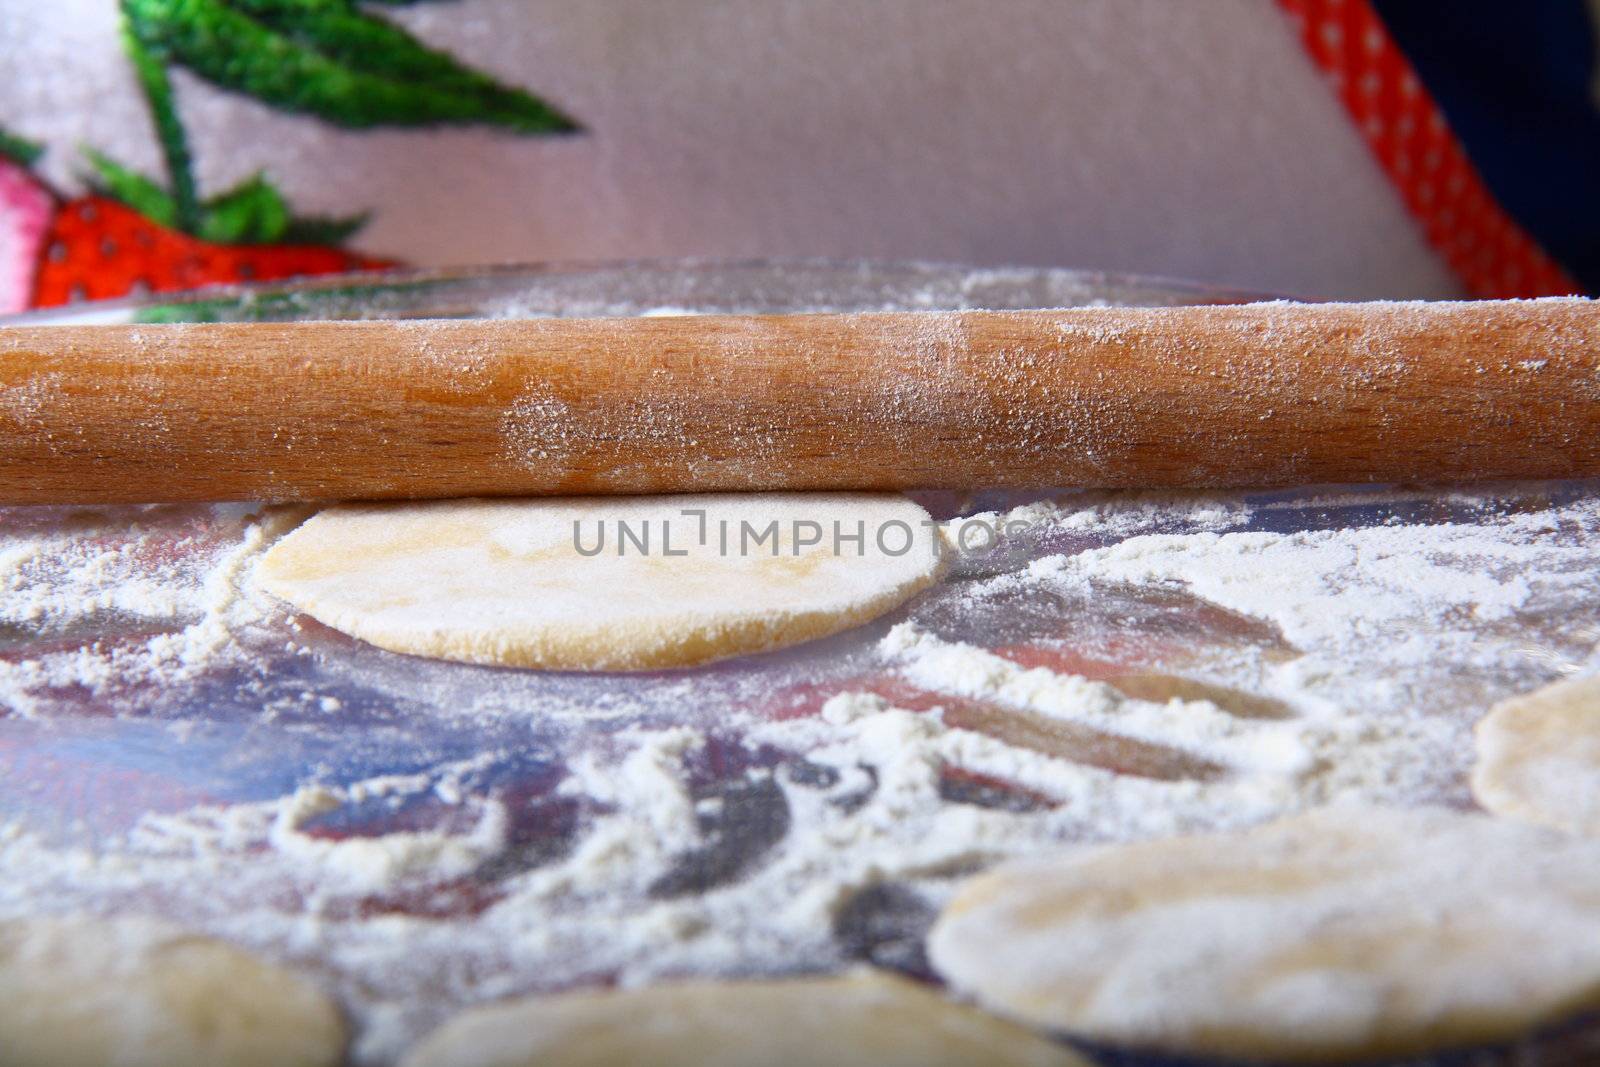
(1539, 757)
(80, 992)
(503, 581)
(861, 1020)
(1342, 933)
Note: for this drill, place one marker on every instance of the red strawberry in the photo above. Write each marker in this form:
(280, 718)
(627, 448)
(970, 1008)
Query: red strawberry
(97, 248)
(25, 207)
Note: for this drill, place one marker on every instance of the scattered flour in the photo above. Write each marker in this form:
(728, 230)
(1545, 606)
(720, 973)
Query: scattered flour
(168, 595)
(1405, 576)
(373, 864)
(892, 783)
(1408, 617)
(1108, 514)
(532, 430)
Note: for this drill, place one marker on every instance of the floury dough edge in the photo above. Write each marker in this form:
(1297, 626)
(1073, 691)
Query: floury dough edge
(862, 1019)
(511, 582)
(863, 781)
(1339, 935)
(1538, 757)
(140, 993)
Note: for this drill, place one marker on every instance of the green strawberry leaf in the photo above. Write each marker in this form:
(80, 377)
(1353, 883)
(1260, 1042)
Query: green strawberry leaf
(351, 4)
(19, 150)
(251, 213)
(327, 58)
(322, 230)
(157, 89)
(359, 42)
(129, 187)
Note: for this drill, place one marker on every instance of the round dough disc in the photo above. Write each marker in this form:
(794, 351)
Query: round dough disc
(1539, 757)
(1340, 934)
(505, 582)
(861, 1020)
(77, 992)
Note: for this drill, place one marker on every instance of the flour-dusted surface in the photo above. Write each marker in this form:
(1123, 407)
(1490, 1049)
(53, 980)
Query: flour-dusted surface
(606, 583)
(421, 836)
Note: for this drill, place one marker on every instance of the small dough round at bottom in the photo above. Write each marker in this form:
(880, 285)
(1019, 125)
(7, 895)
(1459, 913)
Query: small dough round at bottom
(605, 583)
(82, 992)
(1336, 935)
(859, 1020)
(1539, 757)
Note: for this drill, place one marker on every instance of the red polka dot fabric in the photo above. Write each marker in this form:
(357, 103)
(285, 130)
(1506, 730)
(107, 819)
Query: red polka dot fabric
(1408, 134)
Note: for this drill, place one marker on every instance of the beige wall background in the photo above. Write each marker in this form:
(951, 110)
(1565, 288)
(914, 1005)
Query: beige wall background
(1172, 137)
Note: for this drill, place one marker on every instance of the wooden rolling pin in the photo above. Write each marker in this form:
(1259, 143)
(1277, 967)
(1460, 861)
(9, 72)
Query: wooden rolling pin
(1245, 395)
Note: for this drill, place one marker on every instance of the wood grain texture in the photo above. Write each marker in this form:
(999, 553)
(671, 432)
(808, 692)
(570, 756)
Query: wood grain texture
(1241, 395)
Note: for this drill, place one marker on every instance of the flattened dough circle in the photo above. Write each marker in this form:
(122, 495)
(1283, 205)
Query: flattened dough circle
(504, 582)
(1336, 935)
(864, 1020)
(1539, 757)
(77, 991)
